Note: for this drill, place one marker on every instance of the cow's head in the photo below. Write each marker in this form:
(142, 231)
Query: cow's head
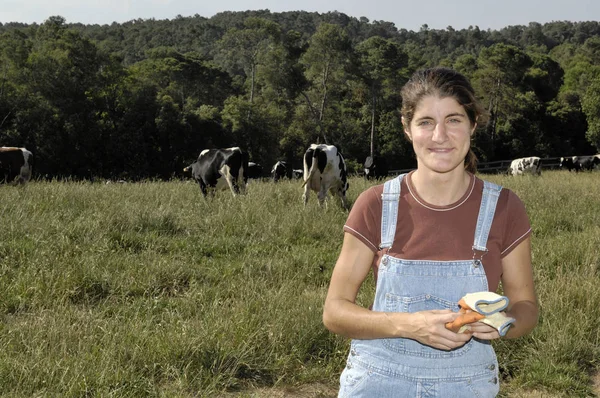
(566, 162)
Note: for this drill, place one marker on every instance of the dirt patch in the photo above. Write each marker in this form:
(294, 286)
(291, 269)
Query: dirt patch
(596, 381)
(305, 391)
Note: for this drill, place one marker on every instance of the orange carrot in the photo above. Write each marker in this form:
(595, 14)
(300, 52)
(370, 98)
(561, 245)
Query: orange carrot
(464, 319)
(463, 304)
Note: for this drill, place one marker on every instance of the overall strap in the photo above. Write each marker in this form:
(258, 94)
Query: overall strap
(489, 199)
(389, 214)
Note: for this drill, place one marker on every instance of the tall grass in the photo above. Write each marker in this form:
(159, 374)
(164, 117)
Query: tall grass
(149, 290)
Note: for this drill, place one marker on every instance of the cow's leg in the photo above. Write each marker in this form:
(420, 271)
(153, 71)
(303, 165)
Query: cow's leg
(322, 195)
(233, 184)
(342, 195)
(305, 194)
(241, 183)
(231, 180)
(202, 187)
(343, 198)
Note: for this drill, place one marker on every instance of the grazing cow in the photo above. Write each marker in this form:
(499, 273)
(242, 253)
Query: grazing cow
(15, 165)
(567, 163)
(580, 163)
(325, 170)
(297, 173)
(255, 170)
(375, 167)
(279, 170)
(530, 165)
(221, 168)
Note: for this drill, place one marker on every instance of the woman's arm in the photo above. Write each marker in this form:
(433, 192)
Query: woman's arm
(517, 284)
(343, 316)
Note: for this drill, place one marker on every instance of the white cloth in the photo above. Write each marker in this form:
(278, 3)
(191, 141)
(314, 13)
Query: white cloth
(489, 304)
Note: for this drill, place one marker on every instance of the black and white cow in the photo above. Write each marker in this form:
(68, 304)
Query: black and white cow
(220, 169)
(279, 170)
(255, 170)
(579, 163)
(325, 170)
(15, 165)
(297, 173)
(529, 165)
(375, 167)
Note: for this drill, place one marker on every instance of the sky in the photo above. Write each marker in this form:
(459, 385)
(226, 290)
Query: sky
(410, 15)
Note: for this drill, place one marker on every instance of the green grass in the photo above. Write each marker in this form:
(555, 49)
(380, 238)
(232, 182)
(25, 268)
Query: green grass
(148, 290)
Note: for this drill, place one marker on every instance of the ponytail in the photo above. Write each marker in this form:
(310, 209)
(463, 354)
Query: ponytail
(471, 162)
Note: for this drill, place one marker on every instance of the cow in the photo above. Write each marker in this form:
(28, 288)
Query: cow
(529, 165)
(325, 170)
(220, 168)
(15, 165)
(279, 170)
(297, 173)
(579, 163)
(375, 167)
(255, 170)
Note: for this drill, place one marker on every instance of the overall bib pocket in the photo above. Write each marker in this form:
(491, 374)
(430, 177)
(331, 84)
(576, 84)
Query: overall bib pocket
(423, 302)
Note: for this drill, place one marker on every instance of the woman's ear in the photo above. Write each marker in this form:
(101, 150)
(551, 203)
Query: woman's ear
(473, 129)
(406, 130)
(475, 125)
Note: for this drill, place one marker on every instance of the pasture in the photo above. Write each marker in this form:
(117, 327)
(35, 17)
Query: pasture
(148, 290)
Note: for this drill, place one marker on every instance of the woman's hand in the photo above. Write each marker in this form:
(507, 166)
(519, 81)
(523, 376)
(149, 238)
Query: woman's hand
(430, 329)
(482, 331)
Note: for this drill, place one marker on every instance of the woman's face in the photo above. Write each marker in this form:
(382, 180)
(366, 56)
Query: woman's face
(440, 132)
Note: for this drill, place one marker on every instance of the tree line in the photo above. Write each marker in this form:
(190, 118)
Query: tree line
(141, 99)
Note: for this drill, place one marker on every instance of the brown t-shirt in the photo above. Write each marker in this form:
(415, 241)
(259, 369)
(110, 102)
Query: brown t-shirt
(441, 233)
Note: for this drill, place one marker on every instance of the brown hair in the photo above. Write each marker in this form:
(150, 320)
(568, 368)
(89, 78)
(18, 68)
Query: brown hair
(443, 82)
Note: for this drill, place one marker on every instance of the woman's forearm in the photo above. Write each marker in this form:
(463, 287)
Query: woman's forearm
(351, 320)
(526, 317)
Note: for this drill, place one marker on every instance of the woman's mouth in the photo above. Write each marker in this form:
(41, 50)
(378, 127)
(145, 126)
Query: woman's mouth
(440, 150)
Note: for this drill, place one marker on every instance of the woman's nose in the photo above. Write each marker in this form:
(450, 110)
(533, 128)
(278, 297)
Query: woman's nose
(439, 133)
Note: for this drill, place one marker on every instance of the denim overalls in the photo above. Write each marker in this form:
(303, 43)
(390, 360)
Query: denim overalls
(399, 367)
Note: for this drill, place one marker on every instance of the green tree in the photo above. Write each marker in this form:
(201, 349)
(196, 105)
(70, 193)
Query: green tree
(325, 61)
(381, 63)
(499, 79)
(565, 125)
(243, 51)
(545, 77)
(60, 81)
(591, 107)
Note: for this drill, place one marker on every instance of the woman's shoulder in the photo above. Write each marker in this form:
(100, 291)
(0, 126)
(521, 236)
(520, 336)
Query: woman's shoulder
(373, 191)
(509, 203)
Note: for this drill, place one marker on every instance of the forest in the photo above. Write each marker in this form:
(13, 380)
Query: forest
(141, 99)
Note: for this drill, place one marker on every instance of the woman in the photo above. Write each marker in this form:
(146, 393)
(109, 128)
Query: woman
(431, 237)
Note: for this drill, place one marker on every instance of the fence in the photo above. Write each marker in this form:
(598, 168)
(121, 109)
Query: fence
(499, 166)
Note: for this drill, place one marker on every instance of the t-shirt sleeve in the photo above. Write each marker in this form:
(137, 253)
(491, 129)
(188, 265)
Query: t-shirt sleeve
(363, 222)
(517, 227)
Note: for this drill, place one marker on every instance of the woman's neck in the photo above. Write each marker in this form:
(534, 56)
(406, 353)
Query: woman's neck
(441, 189)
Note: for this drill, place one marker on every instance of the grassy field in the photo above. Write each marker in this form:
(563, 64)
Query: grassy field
(148, 290)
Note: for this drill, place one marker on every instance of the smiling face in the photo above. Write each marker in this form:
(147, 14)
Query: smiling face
(440, 132)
